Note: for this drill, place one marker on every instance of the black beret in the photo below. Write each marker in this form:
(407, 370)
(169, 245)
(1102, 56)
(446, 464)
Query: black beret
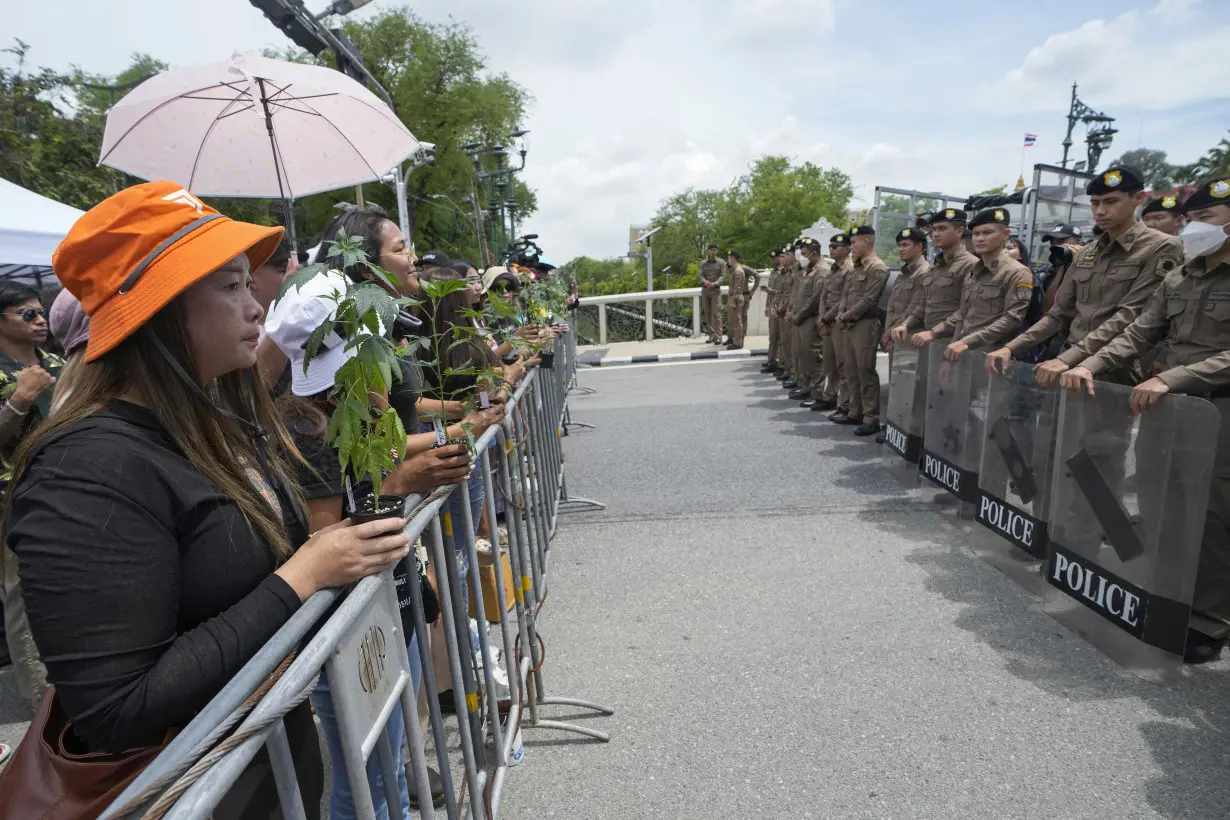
(808, 242)
(912, 234)
(735, 254)
(712, 246)
(437, 258)
(1116, 178)
(787, 247)
(991, 216)
(1162, 205)
(950, 215)
(863, 230)
(1209, 193)
(839, 239)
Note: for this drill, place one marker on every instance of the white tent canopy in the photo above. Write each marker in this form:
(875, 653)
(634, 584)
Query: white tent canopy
(31, 226)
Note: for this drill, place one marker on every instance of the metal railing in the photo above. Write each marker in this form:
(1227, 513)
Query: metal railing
(649, 315)
(362, 646)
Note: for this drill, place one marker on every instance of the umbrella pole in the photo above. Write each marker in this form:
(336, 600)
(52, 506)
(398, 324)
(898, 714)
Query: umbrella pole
(288, 205)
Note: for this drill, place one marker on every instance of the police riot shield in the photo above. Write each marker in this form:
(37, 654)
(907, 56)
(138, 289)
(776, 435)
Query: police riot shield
(1128, 505)
(907, 404)
(1012, 507)
(952, 434)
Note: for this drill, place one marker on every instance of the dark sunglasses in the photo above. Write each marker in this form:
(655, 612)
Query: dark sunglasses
(30, 314)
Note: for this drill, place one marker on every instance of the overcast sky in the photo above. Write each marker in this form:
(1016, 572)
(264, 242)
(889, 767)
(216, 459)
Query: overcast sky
(637, 99)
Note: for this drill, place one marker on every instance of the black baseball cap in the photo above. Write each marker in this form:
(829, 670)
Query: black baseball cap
(1063, 231)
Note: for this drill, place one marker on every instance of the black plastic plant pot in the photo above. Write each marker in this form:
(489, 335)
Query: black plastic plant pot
(548, 361)
(371, 509)
(463, 442)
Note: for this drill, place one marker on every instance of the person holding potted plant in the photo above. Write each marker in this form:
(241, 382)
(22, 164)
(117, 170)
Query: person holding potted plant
(168, 451)
(306, 410)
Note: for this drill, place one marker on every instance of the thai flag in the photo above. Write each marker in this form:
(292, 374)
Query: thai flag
(1030, 139)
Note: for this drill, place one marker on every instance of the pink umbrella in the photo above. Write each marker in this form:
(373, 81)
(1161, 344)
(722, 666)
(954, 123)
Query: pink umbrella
(255, 127)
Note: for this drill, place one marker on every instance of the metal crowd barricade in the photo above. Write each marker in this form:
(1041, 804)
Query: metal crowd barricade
(363, 647)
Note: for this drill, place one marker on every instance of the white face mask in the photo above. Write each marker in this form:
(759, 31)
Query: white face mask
(801, 258)
(1202, 239)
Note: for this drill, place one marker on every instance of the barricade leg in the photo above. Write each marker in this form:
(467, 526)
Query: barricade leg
(530, 594)
(461, 675)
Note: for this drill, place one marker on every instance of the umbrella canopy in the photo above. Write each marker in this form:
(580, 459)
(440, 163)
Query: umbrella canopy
(255, 127)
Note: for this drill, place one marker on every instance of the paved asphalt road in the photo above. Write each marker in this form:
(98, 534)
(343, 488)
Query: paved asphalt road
(787, 633)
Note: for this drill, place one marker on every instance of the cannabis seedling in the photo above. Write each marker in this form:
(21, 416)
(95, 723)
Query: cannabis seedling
(369, 438)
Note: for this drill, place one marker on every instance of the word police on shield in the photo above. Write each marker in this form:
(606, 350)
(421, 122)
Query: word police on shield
(1153, 619)
(1016, 526)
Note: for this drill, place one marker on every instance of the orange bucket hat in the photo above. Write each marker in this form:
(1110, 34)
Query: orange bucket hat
(127, 257)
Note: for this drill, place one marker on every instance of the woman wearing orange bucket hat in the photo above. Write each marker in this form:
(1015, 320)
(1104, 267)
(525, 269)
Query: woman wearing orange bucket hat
(160, 539)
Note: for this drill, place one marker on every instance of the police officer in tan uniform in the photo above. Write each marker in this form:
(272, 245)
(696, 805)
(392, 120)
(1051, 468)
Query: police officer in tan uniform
(836, 394)
(811, 375)
(1115, 274)
(907, 290)
(912, 248)
(770, 312)
(995, 296)
(1163, 213)
(799, 290)
(1188, 319)
(790, 281)
(753, 284)
(861, 322)
(712, 272)
(940, 294)
(736, 301)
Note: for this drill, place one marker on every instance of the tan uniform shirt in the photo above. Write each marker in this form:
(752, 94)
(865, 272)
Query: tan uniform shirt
(784, 286)
(940, 294)
(770, 288)
(993, 304)
(738, 281)
(1106, 278)
(907, 291)
(713, 271)
(811, 292)
(864, 284)
(1188, 318)
(834, 288)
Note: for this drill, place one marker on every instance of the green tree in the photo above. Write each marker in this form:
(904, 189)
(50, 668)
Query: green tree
(1158, 172)
(688, 221)
(1215, 162)
(437, 77)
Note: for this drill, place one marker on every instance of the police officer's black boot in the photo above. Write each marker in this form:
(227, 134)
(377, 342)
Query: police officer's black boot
(798, 393)
(880, 437)
(867, 429)
(1201, 648)
(821, 406)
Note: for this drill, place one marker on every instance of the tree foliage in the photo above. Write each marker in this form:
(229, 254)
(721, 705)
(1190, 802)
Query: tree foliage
(1158, 172)
(770, 204)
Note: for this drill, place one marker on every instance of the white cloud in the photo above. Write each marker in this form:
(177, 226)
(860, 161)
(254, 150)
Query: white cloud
(1160, 58)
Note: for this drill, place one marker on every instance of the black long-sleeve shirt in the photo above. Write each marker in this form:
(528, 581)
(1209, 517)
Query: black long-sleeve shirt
(146, 588)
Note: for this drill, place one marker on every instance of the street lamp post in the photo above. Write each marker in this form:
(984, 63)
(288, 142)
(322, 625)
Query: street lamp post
(667, 271)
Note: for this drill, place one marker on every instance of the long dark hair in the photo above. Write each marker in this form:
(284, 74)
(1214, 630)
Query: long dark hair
(457, 350)
(364, 223)
(216, 447)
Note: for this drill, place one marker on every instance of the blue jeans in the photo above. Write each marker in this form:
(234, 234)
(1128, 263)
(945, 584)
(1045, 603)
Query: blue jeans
(341, 800)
